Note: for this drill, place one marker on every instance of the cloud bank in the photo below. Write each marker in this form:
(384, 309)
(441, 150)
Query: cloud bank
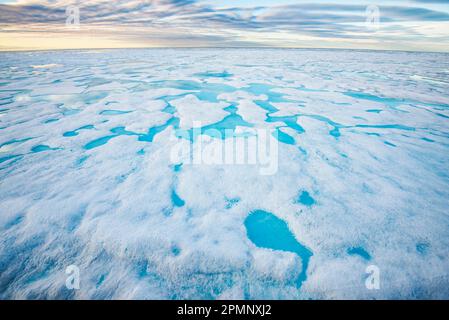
(403, 25)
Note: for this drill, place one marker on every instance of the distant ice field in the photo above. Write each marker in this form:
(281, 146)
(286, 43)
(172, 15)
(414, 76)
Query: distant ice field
(87, 177)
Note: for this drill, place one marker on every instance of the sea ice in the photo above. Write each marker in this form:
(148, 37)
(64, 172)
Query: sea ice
(87, 178)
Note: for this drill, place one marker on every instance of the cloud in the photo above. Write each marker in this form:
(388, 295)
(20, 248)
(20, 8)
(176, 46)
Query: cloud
(174, 21)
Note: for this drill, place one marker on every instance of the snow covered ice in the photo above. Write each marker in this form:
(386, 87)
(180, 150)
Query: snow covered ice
(86, 176)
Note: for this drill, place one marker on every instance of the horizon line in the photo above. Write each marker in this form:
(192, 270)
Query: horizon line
(218, 47)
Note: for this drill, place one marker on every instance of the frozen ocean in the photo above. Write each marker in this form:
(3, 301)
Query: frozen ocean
(355, 205)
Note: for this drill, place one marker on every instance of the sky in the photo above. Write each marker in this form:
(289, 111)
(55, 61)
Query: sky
(415, 25)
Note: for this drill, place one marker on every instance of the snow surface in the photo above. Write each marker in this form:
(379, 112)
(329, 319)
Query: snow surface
(86, 177)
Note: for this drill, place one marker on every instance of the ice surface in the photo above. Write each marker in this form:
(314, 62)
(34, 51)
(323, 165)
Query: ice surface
(87, 179)
(188, 111)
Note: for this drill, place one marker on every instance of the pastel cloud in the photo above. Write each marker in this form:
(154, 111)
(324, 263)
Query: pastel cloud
(39, 24)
